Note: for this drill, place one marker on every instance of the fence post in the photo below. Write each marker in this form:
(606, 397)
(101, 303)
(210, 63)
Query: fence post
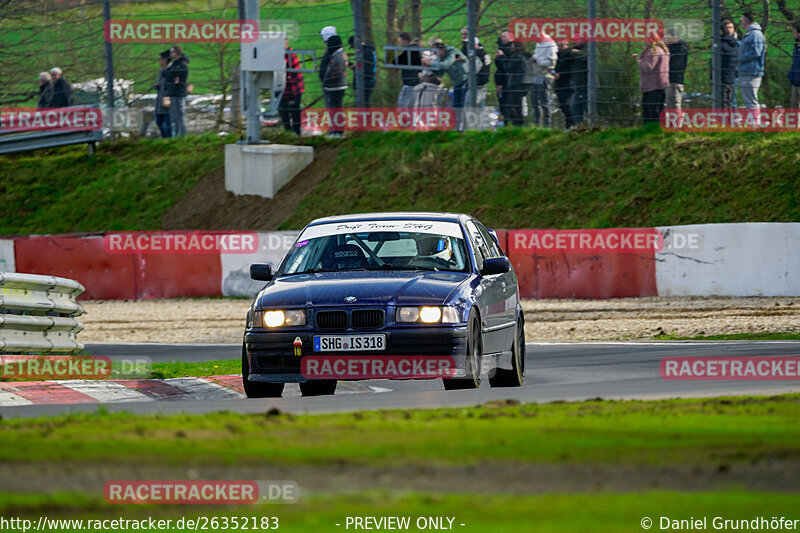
(251, 88)
(716, 55)
(358, 38)
(591, 74)
(472, 83)
(109, 69)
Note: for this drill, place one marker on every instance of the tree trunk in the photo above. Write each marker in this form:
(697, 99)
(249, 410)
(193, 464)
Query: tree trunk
(416, 18)
(391, 22)
(366, 17)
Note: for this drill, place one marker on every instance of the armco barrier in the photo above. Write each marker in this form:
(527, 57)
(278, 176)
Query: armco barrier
(37, 314)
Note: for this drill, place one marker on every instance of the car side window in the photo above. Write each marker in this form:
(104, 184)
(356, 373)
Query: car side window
(492, 245)
(478, 243)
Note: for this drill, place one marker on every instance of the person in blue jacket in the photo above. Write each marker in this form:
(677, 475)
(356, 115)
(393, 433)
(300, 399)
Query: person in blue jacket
(750, 62)
(794, 71)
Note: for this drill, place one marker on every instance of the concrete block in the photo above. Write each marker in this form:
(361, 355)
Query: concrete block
(262, 169)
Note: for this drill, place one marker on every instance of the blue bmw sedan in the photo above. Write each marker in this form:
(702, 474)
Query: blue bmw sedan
(390, 286)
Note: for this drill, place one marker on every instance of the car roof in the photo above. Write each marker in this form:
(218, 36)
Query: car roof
(410, 215)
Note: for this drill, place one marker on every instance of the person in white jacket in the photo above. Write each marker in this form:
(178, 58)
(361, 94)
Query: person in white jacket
(544, 60)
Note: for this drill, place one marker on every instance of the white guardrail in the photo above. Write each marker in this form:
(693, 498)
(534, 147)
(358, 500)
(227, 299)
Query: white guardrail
(37, 314)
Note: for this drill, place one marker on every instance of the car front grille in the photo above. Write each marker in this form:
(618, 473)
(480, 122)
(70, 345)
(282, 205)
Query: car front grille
(331, 319)
(368, 318)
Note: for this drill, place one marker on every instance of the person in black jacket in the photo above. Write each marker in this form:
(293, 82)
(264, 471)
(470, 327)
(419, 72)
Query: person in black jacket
(163, 103)
(565, 90)
(483, 69)
(501, 76)
(678, 58)
(516, 83)
(176, 76)
(729, 53)
(62, 90)
(410, 77)
(45, 90)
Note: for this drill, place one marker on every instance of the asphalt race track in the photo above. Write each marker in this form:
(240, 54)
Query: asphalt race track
(555, 371)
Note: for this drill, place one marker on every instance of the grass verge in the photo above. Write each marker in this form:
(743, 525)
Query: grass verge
(686, 432)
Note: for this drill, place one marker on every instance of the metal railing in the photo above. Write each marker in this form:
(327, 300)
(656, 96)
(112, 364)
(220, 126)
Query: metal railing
(10, 143)
(37, 314)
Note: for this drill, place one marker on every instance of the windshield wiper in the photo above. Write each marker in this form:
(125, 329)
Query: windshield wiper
(317, 270)
(405, 267)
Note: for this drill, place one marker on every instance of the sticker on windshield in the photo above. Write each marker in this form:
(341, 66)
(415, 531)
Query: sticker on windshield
(449, 229)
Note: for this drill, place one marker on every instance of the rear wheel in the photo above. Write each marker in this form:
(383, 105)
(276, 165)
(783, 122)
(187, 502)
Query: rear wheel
(258, 389)
(319, 387)
(472, 361)
(515, 376)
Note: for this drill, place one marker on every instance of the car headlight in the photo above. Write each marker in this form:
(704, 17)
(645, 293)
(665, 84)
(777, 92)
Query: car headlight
(275, 318)
(427, 314)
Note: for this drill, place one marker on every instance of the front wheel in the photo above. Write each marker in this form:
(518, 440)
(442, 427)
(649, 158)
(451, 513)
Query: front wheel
(515, 376)
(257, 389)
(473, 359)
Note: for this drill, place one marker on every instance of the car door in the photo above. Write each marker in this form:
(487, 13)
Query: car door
(508, 285)
(491, 301)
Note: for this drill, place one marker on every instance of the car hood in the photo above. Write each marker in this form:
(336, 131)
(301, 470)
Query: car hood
(368, 287)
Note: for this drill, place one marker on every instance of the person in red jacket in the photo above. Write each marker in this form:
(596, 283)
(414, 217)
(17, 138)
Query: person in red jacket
(653, 79)
(291, 99)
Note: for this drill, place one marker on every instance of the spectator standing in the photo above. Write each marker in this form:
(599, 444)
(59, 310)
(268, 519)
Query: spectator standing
(564, 85)
(545, 56)
(678, 59)
(163, 101)
(410, 77)
(653, 80)
(426, 93)
(370, 64)
(482, 62)
(177, 75)
(750, 62)
(520, 77)
(291, 99)
(62, 90)
(580, 80)
(729, 51)
(501, 60)
(450, 60)
(333, 74)
(45, 90)
(794, 71)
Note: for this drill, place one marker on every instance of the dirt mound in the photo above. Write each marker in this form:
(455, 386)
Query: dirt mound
(208, 206)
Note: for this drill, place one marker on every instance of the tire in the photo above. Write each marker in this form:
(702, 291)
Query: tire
(516, 376)
(318, 387)
(258, 389)
(473, 359)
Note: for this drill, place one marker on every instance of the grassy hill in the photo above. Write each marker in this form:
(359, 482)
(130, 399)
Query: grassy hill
(514, 178)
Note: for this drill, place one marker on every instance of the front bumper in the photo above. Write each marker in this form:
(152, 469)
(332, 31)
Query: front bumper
(272, 359)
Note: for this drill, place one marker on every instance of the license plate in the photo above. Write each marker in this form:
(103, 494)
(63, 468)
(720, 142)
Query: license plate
(349, 343)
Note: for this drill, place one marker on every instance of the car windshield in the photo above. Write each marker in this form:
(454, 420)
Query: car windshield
(332, 248)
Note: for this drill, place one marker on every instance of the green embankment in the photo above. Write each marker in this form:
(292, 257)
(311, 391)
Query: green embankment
(703, 433)
(514, 178)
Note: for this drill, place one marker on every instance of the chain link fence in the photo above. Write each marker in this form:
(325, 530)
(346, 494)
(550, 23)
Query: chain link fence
(38, 35)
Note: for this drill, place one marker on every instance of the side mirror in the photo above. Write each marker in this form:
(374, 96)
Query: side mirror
(261, 272)
(495, 265)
